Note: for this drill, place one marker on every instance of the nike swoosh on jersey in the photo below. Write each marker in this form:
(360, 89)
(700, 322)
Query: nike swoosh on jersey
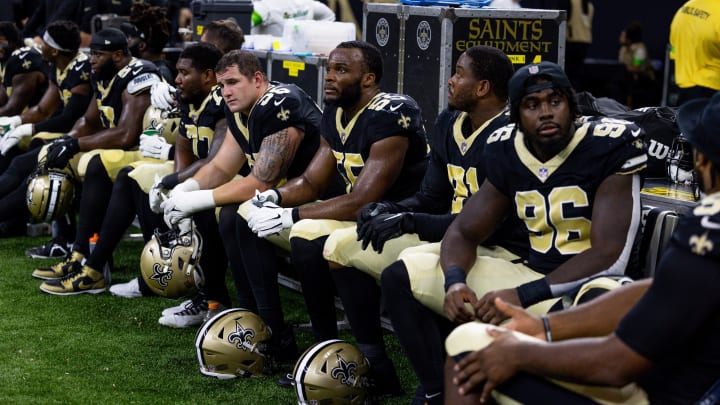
(395, 107)
(635, 133)
(137, 71)
(23, 55)
(278, 102)
(80, 66)
(707, 223)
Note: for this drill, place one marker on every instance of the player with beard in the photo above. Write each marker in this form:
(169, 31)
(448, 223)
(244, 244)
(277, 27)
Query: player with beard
(224, 34)
(110, 128)
(114, 117)
(660, 333)
(24, 79)
(64, 101)
(376, 142)
(580, 219)
(202, 123)
(274, 128)
(477, 100)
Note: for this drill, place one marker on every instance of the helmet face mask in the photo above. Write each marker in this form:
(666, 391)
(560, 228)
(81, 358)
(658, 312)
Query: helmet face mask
(169, 263)
(233, 343)
(50, 194)
(331, 372)
(681, 165)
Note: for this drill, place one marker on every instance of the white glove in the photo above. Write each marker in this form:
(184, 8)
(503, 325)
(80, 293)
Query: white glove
(155, 146)
(158, 193)
(269, 219)
(184, 204)
(187, 185)
(270, 195)
(162, 95)
(12, 122)
(14, 136)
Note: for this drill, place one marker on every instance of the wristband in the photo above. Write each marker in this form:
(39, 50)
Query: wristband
(533, 292)
(454, 275)
(546, 326)
(295, 214)
(171, 180)
(279, 196)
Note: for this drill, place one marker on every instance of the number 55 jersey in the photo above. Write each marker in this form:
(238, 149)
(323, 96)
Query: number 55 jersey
(554, 199)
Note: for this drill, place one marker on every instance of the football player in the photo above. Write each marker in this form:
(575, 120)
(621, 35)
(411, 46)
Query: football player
(536, 170)
(274, 128)
(224, 34)
(64, 102)
(113, 119)
(24, 79)
(376, 142)
(654, 331)
(110, 127)
(477, 97)
(202, 122)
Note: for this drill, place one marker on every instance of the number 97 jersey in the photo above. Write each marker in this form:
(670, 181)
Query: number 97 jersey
(555, 198)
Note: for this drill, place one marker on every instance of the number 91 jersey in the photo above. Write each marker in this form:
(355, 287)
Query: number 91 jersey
(555, 198)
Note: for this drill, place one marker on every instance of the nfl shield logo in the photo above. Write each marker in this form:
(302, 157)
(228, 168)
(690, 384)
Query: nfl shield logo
(533, 69)
(543, 172)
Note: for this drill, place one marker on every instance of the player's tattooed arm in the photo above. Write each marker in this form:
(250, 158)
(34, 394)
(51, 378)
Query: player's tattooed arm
(277, 152)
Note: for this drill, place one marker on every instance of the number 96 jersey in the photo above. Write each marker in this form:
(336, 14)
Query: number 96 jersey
(554, 199)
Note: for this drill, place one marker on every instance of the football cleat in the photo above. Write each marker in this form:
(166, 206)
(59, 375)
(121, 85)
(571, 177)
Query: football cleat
(191, 315)
(57, 247)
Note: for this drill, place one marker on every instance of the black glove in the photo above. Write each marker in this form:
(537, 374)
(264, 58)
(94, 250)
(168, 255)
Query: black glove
(376, 208)
(61, 151)
(384, 227)
(170, 181)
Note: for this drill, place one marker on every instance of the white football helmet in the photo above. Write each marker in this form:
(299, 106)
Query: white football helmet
(170, 263)
(680, 164)
(233, 343)
(331, 372)
(50, 194)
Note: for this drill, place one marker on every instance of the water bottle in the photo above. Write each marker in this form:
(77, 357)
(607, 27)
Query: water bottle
(213, 309)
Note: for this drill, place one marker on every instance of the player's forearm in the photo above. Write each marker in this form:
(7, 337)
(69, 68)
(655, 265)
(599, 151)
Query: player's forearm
(110, 138)
(298, 191)
(211, 175)
(237, 191)
(583, 361)
(598, 317)
(457, 249)
(341, 208)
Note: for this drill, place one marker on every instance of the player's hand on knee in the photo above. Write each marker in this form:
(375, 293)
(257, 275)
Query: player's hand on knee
(492, 365)
(456, 298)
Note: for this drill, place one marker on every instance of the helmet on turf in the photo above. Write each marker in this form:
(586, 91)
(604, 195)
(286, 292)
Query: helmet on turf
(169, 263)
(681, 166)
(331, 372)
(233, 343)
(166, 123)
(49, 194)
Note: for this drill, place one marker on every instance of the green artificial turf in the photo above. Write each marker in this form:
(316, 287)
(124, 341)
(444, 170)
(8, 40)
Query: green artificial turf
(101, 349)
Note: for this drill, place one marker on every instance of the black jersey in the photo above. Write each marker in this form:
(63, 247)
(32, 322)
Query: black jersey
(386, 115)
(24, 60)
(676, 324)
(76, 73)
(282, 106)
(554, 199)
(198, 124)
(456, 169)
(136, 77)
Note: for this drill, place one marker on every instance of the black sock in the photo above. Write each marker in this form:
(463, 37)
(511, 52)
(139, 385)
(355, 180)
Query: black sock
(318, 287)
(416, 327)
